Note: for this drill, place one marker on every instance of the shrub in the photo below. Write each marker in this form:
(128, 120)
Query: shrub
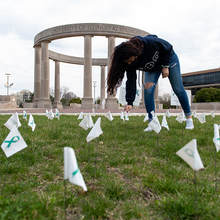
(207, 95)
(76, 100)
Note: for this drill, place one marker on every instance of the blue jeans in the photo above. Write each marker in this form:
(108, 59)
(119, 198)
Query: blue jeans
(176, 83)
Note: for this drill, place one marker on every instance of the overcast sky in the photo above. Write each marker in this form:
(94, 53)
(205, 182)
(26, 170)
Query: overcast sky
(191, 26)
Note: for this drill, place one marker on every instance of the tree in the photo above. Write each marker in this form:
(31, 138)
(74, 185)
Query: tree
(207, 95)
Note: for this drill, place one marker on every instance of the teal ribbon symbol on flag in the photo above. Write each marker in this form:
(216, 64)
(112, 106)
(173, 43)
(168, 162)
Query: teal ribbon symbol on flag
(75, 172)
(191, 152)
(12, 141)
(137, 92)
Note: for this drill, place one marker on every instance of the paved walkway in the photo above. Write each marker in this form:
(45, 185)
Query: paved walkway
(70, 111)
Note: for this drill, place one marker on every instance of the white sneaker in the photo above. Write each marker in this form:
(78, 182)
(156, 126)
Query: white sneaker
(148, 129)
(189, 124)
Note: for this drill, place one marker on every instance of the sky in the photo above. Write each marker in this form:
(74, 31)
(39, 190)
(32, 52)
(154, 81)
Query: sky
(191, 26)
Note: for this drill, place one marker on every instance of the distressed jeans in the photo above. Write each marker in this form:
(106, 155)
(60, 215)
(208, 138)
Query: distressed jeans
(176, 83)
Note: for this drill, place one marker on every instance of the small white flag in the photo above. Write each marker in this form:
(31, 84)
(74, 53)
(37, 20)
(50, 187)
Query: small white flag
(109, 116)
(47, 114)
(181, 117)
(50, 114)
(25, 115)
(194, 114)
(146, 117)
(13, 121)
(93, 110)
(167, 113)
(122, 116)
(71, 169)
(31, 122)
(126, 116)
(80, 116)
(164, 123)
(57, 114)
(155, 124)
(83, 124)
(212, 114)
(190, 154)
(13, 143)
(216, 137)
(95, 132)
(201, 118)
(88, 120)
(153, 113)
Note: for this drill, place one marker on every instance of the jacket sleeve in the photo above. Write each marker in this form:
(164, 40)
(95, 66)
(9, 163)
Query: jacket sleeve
(131, 86)
(167, 52)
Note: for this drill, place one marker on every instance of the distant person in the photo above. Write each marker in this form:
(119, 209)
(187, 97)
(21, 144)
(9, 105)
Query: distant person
(154, 56)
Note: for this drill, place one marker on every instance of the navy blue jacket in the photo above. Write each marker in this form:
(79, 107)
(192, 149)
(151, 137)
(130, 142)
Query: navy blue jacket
(156, 54)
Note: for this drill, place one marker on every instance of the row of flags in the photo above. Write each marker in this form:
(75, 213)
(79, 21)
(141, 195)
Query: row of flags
(14, 142)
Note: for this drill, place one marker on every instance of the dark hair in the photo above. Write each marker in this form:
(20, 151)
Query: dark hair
(122, 52)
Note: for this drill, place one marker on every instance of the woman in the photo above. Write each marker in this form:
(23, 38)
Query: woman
(155, 56)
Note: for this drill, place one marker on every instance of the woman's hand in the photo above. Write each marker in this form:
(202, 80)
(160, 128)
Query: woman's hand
(165, 72)
(127, 108)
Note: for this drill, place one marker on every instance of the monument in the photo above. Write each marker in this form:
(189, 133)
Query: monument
(87, 30)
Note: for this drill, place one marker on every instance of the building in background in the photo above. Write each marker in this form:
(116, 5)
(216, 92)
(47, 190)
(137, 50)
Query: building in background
(195, 81)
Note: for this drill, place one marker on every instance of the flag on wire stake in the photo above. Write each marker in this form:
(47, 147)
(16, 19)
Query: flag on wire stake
(201, 118)
(25, 115)
(88, 120)
(122, 116)
(57, 114)
(13, 143)
(167, 113)
(95, 132)
(146, 117)
(190, 155)
(83, 124)
(126, 116)
(31, 122)
(217, 145)
(180, 118)
(80, 116)
(93, 110)
(71, 172)
(164, 123)
(13, 121)
(155, 125)
(50, 114)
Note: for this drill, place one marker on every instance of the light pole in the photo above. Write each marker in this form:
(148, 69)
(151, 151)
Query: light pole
(94, 85)
(7, 83)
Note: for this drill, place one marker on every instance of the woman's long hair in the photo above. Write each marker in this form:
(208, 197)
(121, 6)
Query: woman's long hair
(122, 52)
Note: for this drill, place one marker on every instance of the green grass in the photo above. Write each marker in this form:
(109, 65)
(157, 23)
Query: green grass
(138, 174)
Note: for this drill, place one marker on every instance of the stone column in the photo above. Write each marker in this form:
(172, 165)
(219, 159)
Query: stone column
(44, 101)
(57, 103)
(156, 99)
(111, 101)
(102, 87)
(37, 75)
(87, 100)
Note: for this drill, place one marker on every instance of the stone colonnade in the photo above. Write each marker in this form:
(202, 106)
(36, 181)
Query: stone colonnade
(43, 54)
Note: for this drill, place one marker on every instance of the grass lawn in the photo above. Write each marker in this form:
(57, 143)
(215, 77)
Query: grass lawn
(138, 174)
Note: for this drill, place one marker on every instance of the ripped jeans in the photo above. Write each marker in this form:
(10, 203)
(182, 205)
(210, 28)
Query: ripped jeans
(176, 83)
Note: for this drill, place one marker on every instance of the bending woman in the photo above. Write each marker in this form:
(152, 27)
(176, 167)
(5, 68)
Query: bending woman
(155, 56)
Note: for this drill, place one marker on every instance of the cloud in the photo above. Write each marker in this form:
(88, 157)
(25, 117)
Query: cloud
(192, 27)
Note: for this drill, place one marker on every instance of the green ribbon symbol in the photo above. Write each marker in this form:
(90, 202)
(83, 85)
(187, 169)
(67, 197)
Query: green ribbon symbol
(191, 152)
(12, 141)
(75, 172)
(137, 92)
